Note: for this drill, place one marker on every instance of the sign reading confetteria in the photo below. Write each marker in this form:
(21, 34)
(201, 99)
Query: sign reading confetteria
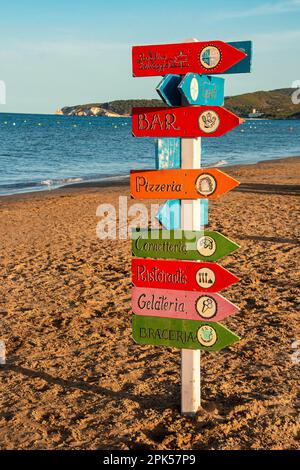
(180, 275)
(181, 58)
(183, 334)
(181, 244)
(184, 121)
(180, 184)
(187, 305)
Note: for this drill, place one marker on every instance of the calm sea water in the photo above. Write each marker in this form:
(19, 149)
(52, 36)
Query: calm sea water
(44, 151)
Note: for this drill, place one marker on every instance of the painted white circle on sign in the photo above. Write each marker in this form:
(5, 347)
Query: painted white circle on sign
(206, 184)
(194, 89)
(210, 57)
(207, 335)
(206, 246)
(209, 121)
(205, 277)
(206, 306)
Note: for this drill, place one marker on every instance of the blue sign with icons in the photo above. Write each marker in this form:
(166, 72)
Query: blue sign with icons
(202, 90)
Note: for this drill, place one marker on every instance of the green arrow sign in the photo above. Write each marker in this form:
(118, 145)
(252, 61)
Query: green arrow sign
(182, 334)
(181, 244)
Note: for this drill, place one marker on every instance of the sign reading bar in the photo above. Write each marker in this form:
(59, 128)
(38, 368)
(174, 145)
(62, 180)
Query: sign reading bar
(184, 121)
(180, 275)
(186, 305)
(182, 334)
(180, 184)
(210, 57)
(181, 244)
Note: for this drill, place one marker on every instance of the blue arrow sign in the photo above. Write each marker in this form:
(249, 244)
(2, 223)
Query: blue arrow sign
(244, 66)
(169, 214)
(202, 90)
(168, 90)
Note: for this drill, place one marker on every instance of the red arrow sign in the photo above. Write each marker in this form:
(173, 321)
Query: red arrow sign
(180, 275)
(184, 121)
(209, 57)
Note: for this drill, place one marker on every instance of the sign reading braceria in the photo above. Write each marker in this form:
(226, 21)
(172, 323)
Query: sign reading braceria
(184, 121)
(180, 184)
(187, 305)
(197, 57)
(180, 275)
(181, 244)
(187, 334)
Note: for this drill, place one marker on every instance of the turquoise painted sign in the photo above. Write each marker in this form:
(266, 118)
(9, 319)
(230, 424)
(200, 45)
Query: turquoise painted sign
(182, 334)
(202, 89)
(181, 244)
(169, 214)
(168, 90)
(168, 153)
(192, 89)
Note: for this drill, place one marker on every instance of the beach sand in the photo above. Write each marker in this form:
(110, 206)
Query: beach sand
(74, 378)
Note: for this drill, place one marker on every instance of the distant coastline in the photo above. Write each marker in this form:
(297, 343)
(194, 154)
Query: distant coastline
(274, 104)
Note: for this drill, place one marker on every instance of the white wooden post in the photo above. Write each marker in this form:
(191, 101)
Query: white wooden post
(190, 220)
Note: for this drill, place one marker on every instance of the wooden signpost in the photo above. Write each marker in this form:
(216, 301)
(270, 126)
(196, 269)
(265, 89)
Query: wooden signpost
(184, 184)
(183, 334)
(209, 57)
(175, 300)
(181, 244)
(181, 275)
(188, 305)
(184, 121)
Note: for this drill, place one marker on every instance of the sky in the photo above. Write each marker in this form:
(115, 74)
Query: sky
(65, 52)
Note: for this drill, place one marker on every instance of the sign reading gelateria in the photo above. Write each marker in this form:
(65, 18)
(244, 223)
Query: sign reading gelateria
(181, 275)
(180, 184)
(181, 244)
(197, 57)
(187, 305)
(183, 121)
(187, 334)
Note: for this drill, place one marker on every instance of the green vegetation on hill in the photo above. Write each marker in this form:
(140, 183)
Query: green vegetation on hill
(275, 104)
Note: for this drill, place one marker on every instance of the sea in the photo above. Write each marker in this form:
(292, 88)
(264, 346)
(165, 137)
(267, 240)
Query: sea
(43, 152)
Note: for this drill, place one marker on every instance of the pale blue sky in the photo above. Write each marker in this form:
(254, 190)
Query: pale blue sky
(62, 52)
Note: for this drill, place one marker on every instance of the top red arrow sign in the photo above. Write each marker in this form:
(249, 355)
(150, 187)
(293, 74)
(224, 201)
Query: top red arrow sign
(210, 57)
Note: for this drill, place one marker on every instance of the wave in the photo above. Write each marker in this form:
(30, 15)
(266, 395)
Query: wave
(219, 163)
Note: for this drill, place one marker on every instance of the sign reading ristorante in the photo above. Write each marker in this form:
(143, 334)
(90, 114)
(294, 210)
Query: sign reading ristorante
(187, 334)
(181, 244)
(181, 275)
(209, 183)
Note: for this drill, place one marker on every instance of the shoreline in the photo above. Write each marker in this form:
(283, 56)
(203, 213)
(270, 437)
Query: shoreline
(123, 181)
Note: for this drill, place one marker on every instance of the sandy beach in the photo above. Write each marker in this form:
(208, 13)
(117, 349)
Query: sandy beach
(74, 378)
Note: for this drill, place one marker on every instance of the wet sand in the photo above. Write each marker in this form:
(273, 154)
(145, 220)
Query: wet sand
(74, 378)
